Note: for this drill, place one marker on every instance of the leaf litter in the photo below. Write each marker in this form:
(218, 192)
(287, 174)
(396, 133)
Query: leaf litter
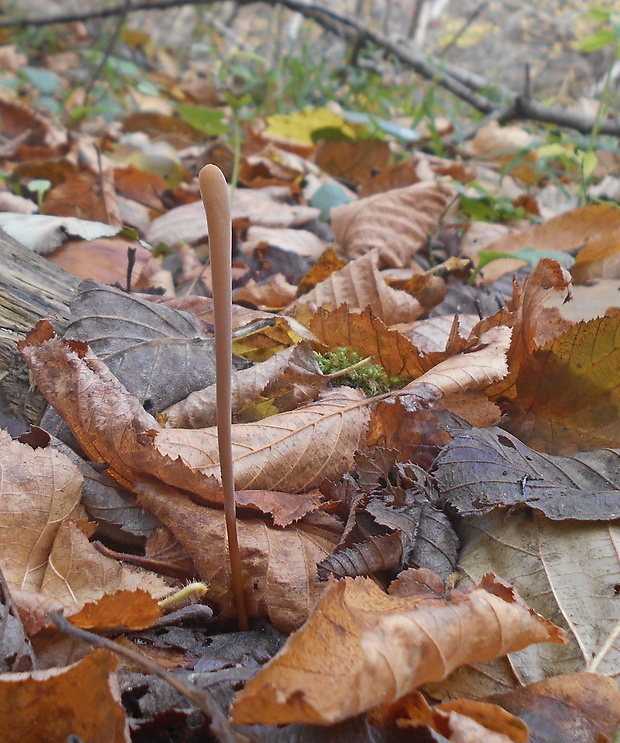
(330, 483)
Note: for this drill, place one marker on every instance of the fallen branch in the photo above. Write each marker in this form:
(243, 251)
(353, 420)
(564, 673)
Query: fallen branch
(462, 84)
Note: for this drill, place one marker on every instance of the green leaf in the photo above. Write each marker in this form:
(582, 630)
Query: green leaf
(209, 121)
(596, 41)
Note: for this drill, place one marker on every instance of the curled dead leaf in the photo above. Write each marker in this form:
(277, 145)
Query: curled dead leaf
(361, 648)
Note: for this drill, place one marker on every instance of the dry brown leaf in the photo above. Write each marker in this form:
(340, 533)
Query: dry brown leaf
(352, 161)
(568, 391)
(325, 265)
(360, 285)
(361, 648)
(396, 222)
(505, 145)
(104, 260)
(39, 488)
(273, 294)
(274, 386)
(278, 565)
(461, 720)
(569, 231)
(369, 336)
(530, 320)
(78, 572)
(560, 706)
(599, 259)
(291, 451)
(82, 700)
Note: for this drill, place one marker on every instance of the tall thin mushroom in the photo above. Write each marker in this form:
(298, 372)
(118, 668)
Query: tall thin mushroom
(214, 191)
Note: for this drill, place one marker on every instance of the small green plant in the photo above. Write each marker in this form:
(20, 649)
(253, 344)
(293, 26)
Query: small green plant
(346, 367)
(39, 186)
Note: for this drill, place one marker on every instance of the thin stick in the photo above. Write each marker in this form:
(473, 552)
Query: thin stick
(217, 207)
(202, 698)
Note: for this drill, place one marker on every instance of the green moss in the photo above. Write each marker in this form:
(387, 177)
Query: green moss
(370, 378)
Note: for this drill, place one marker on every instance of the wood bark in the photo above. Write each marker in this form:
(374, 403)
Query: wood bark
(31, 288)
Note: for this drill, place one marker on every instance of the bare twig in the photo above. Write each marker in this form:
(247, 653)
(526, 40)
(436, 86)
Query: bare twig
(462, 84)
(202, 698)
(467, 23)
(122, 16)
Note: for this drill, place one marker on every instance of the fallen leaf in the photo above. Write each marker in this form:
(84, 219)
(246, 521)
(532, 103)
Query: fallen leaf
(87, 693)
(360, 285)
(397, 223)
(461, 720)
(273, 294)
(43, 233)
(352, 161)
(158, 353)
(274, 386)
(362, 647)
(300, 242)
(567, 232)
(532, 324)
(277, 565)
(576, 707)
(566, 570)
(39, 489)
(104, 260)
(512, 147)
(16, 652)
(131, 610)
(568, 391)
(291, 451)
(324, 266)
(482, 469)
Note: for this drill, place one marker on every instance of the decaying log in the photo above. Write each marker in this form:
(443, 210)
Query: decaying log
(31, 288)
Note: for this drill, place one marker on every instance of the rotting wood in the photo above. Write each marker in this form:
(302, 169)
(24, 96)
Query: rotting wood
(31, 288)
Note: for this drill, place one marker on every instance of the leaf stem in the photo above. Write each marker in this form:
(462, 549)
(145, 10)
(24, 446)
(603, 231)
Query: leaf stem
(214, 191)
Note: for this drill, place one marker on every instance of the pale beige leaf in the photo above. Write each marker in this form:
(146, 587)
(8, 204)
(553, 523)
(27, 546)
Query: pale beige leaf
(77, 572)
(397, 222)
(361, 648)
(292, 451)
(507, 145)
(278, 565)
(39, 488)
(359, 285)
(565, 570)
(296, 241)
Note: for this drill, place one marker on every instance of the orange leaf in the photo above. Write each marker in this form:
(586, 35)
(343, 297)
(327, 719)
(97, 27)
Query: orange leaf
(81, 700)
(362, 647)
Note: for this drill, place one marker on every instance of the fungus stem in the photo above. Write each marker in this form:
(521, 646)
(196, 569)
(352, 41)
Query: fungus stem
(214, 191)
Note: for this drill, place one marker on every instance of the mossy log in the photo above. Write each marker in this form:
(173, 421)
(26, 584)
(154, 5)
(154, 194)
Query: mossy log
(31, 288)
